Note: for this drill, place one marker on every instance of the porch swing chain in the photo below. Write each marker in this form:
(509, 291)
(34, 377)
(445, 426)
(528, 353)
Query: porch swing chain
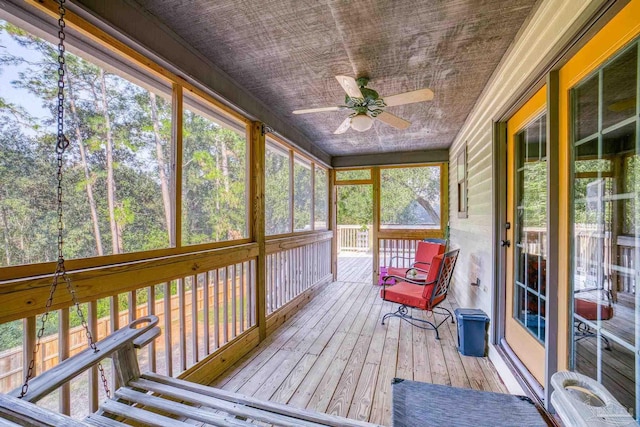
(62, 144)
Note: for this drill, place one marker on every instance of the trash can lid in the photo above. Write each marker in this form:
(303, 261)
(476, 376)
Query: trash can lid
(471, 314)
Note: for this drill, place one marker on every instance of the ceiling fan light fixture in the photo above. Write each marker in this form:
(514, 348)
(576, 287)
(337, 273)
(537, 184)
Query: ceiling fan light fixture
(361, 122)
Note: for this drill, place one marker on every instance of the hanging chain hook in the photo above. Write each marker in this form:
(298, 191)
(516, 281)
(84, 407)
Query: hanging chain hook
(62, 143)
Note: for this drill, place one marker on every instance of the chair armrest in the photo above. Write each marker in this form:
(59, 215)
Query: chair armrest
(421, 263)
(391, 276)
(69, 368)
(418, 282)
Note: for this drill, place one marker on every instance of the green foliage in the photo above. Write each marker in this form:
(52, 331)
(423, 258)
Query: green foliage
(102, 107)
(355, 174)
(410, 196)
(277, 188)
(355, 204)
(321, 208)
(213, 181)
(301, 197)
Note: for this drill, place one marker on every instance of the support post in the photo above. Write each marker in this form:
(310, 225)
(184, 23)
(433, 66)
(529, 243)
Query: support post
(333, 221)
(375, 172)
(257, 138)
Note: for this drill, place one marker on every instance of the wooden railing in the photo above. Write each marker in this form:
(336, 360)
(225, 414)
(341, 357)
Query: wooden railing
(295, 265)
(209, 321)
(212, 305)
(354, 238)
(397, 252)
(598, 258)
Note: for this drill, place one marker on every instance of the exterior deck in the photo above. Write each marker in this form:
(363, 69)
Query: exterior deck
(334, 355)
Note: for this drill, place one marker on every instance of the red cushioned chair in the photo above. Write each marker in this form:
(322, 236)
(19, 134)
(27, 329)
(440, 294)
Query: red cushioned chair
(594, 310)
(422, 295)
(422, 261)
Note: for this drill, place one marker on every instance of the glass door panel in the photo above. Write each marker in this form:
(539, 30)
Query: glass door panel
(525, 294)
(531, 227)
(605, 224)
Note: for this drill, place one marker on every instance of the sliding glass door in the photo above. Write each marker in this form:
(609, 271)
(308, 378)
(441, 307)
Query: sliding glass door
(605, 225)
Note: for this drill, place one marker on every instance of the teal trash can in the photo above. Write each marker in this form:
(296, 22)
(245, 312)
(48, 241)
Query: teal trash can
(472, 331)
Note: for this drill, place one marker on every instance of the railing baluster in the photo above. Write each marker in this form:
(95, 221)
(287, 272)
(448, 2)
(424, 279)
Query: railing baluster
(182, 323)
(114, 323)
(225, 308)
(277, 284)
(252, 284)
(168, 345)
(63, 353)
(269, 284)
(242, 300)
(233, 289)
(131, 302)
(151, 309)
(216, 310)
(205, 312)
(194, 319)
(92, 314)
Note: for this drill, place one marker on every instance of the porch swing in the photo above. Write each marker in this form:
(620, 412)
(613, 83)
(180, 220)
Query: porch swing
(147, 399)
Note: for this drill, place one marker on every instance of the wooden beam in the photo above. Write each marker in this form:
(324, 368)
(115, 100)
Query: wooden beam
(26, 297)
(258, 147)
(375, 172)
(176, 139)
(410, 234)
(313, 196)
(290, 242)
(292, 167)
(444, 195)
(27, 271)
(395, 158)
(333, 222)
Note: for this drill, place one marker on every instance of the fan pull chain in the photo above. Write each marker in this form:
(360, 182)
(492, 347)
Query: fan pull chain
(62, 144)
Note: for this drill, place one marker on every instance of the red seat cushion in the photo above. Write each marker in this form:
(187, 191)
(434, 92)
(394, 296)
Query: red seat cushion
(589, 309)
(416, 295)
(432, 276)
(406, 294)
(425, 253)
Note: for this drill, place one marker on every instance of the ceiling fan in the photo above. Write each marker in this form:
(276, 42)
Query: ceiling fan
(368, 105)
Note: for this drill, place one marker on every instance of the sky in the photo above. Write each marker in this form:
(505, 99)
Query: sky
(9, 73)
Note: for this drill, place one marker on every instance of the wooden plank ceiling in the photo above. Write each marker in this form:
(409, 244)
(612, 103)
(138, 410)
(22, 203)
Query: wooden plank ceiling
(287, 52)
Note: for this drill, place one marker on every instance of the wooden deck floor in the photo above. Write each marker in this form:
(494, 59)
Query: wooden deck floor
(334, 356)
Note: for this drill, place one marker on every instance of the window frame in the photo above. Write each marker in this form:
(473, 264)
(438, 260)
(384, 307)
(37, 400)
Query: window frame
(462, 183)
(317, 167)
(297, 155)
(209, 111)
(389, 233)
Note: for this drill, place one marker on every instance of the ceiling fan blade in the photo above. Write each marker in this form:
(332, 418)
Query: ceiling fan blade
(350, 86)
(344, 126)
(419, 95)
(393, 121)
(316, 110)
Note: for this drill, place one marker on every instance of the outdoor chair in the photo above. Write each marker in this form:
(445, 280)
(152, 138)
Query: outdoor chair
(423, 295)
(592, 309)
(425, 252)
